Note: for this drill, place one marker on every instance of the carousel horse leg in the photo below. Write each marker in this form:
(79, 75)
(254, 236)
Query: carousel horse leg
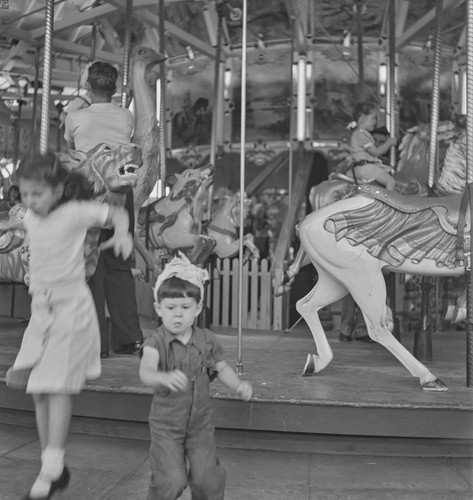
(326, 291)
(202, 251)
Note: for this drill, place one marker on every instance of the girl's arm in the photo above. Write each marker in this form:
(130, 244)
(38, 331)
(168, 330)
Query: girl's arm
(121, 241)
(228, 377)
(383, 148)
(11, 225)
(151, 377)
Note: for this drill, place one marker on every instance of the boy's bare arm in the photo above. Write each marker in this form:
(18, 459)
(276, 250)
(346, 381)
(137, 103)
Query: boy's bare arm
(152, 377)
(228, 377)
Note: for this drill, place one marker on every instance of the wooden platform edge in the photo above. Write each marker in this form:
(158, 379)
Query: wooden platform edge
(267, 416)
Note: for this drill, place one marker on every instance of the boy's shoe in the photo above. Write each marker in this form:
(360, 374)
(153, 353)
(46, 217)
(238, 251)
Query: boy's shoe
(104, 354)
(61, 483)
(344, 338)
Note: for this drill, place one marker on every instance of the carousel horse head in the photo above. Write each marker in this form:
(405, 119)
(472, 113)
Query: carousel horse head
(414, 150)
(109, 169)
(191, 184)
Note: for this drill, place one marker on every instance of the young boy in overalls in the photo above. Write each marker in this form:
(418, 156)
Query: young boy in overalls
(177, 362)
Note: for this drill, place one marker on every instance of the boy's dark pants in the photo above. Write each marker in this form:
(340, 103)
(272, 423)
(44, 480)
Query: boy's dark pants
(182, 428)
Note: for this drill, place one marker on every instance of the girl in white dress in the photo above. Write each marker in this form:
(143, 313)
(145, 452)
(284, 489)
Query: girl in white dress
(61, 344)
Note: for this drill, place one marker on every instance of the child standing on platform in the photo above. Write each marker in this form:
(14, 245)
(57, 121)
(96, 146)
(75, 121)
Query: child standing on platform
(178, 361)
(61, 344)
(367, 165)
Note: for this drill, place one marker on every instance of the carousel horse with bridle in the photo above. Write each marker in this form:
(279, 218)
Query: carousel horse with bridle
(223, 227)
(174, 222)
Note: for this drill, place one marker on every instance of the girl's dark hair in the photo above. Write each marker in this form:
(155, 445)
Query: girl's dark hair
(102, 78)
(364, 108)
(47, 168)
(176, 288)
(14, 189)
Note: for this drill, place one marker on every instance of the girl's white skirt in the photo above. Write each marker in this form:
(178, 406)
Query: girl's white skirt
(62, 340)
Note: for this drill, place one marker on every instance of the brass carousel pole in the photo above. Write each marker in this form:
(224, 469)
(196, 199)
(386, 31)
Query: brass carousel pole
(48, 46)
(216, 108)
(359, 34)
(392, 80)
(34, 126)
(126, 52)
(469, 177)
(162, 104)
(239, 365)
(391, 277)
(423, 338)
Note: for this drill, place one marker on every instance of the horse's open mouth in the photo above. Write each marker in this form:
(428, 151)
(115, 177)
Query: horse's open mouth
(129, 169)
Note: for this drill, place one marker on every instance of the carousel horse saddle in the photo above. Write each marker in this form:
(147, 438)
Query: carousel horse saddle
(449, 209)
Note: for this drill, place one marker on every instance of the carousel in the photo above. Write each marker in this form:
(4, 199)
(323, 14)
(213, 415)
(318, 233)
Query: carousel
(241, 112)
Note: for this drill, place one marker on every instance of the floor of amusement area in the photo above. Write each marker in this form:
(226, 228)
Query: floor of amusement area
(109, 460)
(260, 466)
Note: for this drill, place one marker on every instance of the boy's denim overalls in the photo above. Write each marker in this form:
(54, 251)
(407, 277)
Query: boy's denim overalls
(182, 423)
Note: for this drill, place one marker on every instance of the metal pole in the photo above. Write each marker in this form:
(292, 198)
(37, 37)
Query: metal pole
(126, 52)
(47, 63)
(93, 42)
(216, 109)
(423, 338)
(469, 177)
(392, 81)
(361, 71)
(242, 183)
(162, 104)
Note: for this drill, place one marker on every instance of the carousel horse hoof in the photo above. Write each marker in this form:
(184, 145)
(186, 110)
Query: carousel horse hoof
(309, 368)
(434, 386)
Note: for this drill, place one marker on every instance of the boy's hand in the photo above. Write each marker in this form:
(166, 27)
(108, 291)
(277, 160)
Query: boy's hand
(175, 381)
(245, 390)
(393, 141)
(121, 244)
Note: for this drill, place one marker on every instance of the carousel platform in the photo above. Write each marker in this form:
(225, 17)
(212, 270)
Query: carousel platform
(364, 391)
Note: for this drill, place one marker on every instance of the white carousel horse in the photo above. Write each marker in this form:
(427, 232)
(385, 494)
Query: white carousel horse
(414, 155)
(352, 241)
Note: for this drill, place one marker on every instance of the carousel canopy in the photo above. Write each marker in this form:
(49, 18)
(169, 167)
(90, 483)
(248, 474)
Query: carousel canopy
(94, 29)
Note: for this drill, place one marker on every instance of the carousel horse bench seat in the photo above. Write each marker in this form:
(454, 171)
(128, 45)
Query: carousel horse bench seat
(447, 208)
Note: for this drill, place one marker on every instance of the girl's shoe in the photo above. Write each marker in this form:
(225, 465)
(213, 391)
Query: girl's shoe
(61, 483)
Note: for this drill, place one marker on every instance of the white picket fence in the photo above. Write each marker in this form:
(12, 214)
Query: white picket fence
(261, 309)
(257, 294)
